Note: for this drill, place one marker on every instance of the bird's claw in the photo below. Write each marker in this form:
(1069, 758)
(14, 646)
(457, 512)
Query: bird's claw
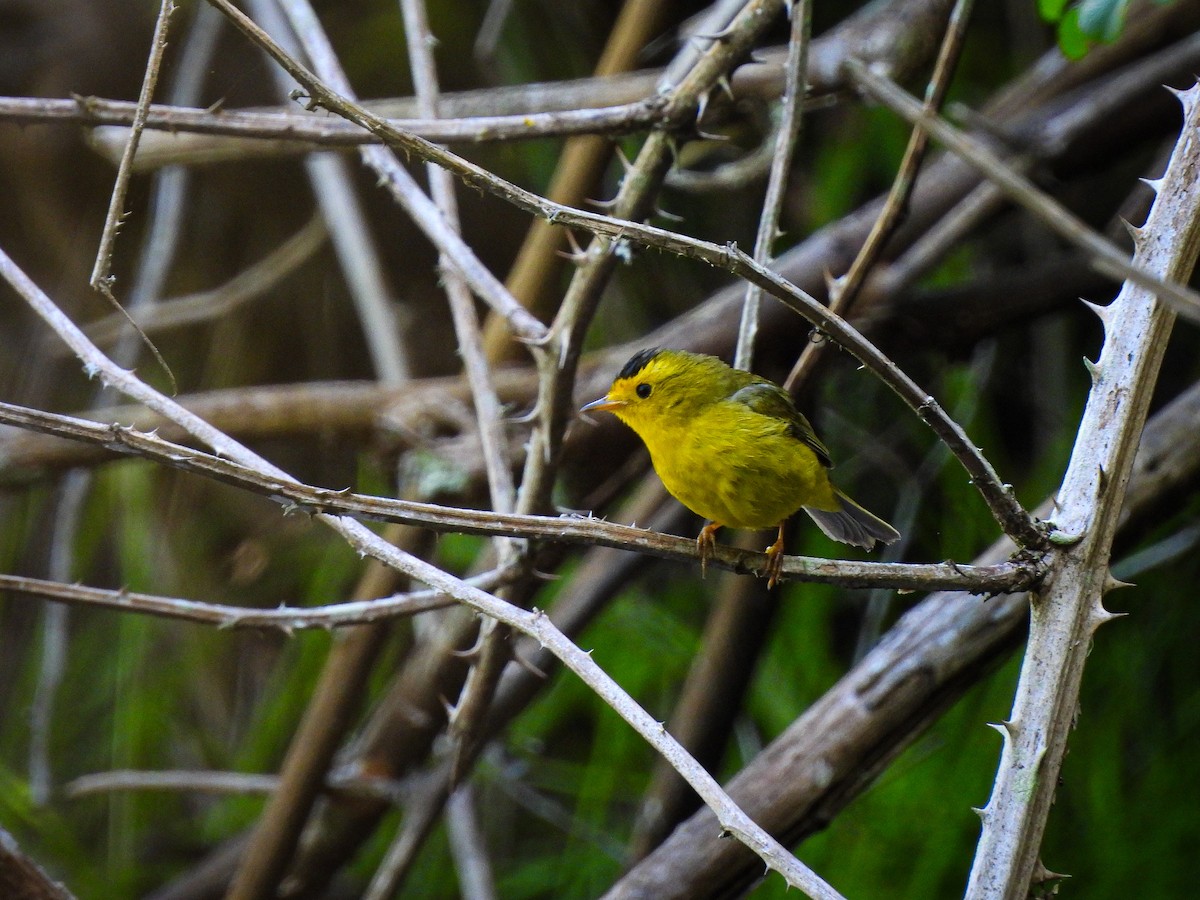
(706, 545)
(774, 567)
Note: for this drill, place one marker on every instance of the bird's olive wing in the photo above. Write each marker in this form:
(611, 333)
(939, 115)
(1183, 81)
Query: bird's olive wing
(772, 401)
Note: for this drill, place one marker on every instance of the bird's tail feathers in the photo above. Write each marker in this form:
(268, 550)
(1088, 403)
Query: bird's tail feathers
(853, 525)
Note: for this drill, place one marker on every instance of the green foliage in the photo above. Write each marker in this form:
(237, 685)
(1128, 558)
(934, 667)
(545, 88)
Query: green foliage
(842, 180)
(1081, 24)
(801, 662)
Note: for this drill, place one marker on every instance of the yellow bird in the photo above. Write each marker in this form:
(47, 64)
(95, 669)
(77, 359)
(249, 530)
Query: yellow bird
(732, 447)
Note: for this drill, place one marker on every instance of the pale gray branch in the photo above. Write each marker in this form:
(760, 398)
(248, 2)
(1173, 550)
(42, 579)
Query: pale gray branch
(1068, 609)
(786, 138)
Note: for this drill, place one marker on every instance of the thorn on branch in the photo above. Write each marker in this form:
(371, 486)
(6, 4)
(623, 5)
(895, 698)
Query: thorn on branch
(529, 666)
(626, 164)
(1101, 616)
(718, 36)
(602, 204)
(1043, 882)
(1112, 583)
(1100, 311)
(576, 254)
(1007, 729)
(1136, 232)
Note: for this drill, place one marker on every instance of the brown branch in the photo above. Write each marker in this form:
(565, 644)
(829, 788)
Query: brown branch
(23, 879)
(283, 618)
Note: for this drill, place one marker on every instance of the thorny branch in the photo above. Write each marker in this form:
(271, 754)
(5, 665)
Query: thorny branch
(566, 529)
(1069, 608)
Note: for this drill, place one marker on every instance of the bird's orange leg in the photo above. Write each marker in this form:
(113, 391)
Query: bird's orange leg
(706, 543)
(775, 559)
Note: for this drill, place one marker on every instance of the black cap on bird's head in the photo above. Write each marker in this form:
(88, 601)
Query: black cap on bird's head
(637, 362)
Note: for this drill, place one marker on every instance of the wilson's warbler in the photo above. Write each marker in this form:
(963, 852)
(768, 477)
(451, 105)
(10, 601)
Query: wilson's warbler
(732, 447)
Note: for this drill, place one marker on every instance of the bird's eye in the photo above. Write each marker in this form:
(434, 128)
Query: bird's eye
(643, 390)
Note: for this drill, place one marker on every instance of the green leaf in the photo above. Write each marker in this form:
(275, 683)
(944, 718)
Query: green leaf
(1072, 40)
(1051, 10)
(1102, 20)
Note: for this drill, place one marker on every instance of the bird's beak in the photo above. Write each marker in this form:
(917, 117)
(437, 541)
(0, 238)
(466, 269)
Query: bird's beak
(603, 405)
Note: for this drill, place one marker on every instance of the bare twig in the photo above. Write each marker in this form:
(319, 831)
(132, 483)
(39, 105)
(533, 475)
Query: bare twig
(210, 782)
(844, 291)
(101, 278)
(283, 618)
(1106, 256)
(207, 306)
(781, 162)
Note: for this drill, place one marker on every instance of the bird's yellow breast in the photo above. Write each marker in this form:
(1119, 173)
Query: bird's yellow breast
(737, 467)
